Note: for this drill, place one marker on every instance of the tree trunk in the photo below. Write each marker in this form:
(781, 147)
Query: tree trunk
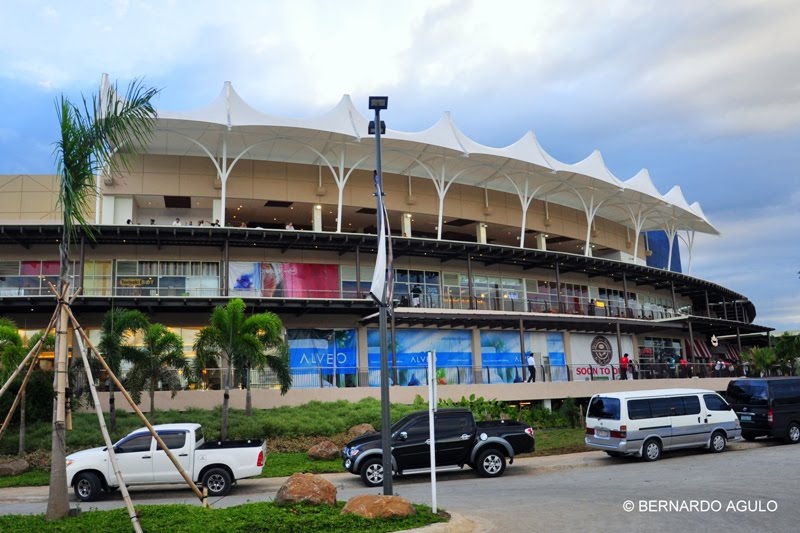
(153, 382)
(112, 408)
(223, 434)
(248, 402)
(57, 501)
(22, 424)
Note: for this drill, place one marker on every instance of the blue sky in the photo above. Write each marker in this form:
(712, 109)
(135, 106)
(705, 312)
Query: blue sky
(704, 94)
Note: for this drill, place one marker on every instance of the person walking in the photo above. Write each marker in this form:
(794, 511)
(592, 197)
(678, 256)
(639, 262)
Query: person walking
(531, 368)
(623, 367)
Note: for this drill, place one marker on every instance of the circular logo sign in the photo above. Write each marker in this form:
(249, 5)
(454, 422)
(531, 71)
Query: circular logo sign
(601, 350)
(714, 341)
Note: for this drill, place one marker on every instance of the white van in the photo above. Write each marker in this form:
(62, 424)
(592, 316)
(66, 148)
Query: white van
(644, 423)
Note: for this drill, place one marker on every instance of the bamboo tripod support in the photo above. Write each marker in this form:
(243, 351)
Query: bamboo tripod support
(139, 413)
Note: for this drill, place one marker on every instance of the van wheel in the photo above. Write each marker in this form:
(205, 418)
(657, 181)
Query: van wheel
(718, 442)
(750, 437)
(651, 450)
(372, 472)
(87, 486)
(793, 433)
(491, 463)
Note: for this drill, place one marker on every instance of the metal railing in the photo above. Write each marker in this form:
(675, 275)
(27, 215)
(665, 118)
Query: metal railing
(344, 377)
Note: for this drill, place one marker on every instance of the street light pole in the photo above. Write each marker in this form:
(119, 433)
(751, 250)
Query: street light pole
(377, 103)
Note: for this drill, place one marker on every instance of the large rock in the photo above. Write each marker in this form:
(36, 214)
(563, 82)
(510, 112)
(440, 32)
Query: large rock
(309, 488)
(324, 450)
(14, 467)
(361, 429)
(378, 506)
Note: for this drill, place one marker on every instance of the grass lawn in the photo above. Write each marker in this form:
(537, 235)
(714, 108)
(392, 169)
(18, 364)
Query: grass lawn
(248, 517)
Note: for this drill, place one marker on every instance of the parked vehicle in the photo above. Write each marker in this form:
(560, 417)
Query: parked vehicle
(767, 406)
(215, 465)
(484, 446)
(644, 423)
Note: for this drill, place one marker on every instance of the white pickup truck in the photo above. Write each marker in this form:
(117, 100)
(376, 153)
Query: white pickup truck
(215, 465)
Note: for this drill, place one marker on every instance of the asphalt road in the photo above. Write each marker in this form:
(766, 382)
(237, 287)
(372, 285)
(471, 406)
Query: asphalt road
(750, 487)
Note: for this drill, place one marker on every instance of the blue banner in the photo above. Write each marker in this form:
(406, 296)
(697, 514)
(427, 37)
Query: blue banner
(322, 352)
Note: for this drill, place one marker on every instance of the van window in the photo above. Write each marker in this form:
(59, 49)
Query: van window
(748, 392)
(715, 403)
(676, 407)
(603, 407)
(639, 409)
(786, 392)
(660, 407)
(692, 405)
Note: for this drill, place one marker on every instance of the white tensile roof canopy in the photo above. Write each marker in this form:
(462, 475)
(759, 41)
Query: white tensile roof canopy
(229, 129)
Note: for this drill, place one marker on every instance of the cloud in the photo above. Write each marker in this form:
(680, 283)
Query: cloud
(757, 256)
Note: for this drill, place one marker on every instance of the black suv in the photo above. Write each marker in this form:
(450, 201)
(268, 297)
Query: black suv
(767, 406)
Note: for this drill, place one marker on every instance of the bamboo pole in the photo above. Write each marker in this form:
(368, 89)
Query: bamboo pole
(36, 346)
(135, 407)
(137, 527)
(19, 396)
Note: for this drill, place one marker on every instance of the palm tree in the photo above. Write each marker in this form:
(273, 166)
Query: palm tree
(787, 350)
(159, 360)
(761, 359)
(233, 338)
(118, 324)
(95, 137)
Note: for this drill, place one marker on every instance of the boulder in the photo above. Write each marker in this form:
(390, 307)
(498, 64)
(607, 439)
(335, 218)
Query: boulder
(324, 450)
(361, 429)
(308, 488)
(14, 467)
(378, 506)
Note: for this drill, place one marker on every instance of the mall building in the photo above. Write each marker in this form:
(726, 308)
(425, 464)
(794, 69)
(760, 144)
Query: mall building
(496, 252)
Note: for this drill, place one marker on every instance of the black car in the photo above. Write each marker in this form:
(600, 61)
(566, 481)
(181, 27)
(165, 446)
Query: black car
(460, 441)
(767, 406)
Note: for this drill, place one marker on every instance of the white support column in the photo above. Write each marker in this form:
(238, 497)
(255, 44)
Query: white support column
(406, 224)
(480, 232)
(317, 218)
(541, 241)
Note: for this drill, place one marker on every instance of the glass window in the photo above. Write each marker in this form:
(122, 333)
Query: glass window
(715, 403)
(604, 407)
(660, 408)
(748, 392)
(137, 443)
(174, 441)
(676, 407)
(638, 409)
(786, 392)
(692, 405)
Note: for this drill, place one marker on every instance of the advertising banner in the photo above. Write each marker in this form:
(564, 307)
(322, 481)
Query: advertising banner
(323, 354)
(453, 351)
(244, 279)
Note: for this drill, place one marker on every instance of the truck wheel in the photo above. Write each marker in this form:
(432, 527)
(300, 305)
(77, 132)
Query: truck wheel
(372, 472)
(217, 481)
(651, 450)
(793, 433)
(718, 442)
(87, 486)
(491, 463)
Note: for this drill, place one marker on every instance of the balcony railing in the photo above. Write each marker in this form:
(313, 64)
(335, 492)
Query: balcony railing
(319, 377)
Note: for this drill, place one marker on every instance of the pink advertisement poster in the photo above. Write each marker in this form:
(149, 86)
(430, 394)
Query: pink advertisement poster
(299, 280)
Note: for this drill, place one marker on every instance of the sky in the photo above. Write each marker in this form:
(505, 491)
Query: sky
(702, 93)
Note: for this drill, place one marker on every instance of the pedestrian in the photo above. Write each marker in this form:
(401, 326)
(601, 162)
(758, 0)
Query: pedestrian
(177, 221)
(415, 294)
(289, 225)
(531, 368)
(684, 367)
(631, 369)
(623, 367)
(718, 368)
